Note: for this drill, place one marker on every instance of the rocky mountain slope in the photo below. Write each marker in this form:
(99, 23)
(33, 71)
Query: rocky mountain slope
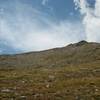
(73, 54)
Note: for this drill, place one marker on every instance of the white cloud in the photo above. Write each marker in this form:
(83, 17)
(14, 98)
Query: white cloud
(1, 51)
(97, 8)
(91, 19)
(26, 28)
(44, 2)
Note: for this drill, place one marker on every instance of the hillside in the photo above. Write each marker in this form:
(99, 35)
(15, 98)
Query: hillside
(73, 54)
(68, 73)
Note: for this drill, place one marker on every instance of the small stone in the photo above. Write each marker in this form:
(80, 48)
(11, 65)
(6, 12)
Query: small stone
(96, 90)
(47, 86)
(5, 90)
(23, 96)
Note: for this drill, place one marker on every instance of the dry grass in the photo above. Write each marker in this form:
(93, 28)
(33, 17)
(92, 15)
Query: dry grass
(60, 83)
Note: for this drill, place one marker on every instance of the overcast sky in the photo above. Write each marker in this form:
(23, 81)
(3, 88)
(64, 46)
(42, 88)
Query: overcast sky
(34, 25)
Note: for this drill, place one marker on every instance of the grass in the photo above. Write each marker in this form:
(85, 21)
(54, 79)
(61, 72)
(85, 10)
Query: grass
(59, 83)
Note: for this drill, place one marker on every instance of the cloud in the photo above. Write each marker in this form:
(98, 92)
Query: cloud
(44, 2)
(91, 19)
(25, 28)
(1, 51)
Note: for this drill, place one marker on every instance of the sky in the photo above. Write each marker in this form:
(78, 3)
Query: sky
(35, 25)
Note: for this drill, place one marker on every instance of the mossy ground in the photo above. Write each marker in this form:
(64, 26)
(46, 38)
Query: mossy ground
(44, 83)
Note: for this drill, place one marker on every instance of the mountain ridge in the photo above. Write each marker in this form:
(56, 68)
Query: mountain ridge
(80, 43)
(77, 53)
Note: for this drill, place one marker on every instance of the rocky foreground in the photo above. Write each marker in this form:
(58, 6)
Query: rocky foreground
(73, 83)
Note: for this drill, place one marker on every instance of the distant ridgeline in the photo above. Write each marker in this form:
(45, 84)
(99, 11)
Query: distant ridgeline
(81, 53)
